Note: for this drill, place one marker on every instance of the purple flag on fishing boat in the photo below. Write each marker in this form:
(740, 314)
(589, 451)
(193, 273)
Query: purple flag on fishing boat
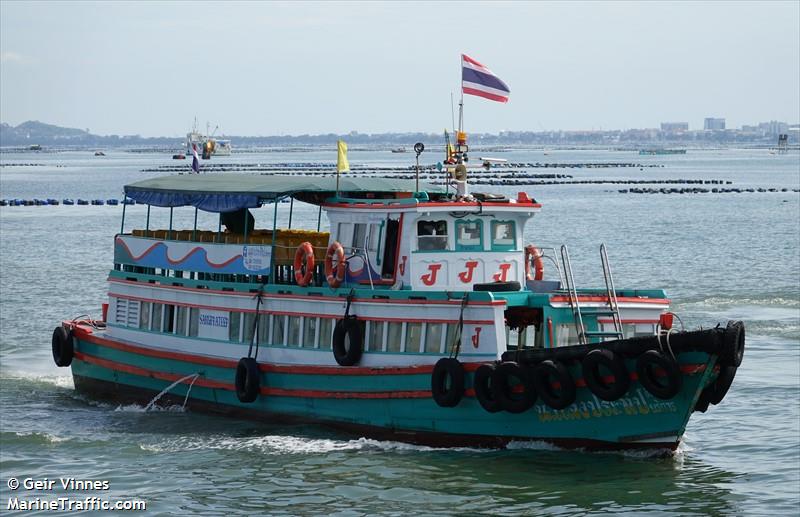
(478, 80)
(195, 159)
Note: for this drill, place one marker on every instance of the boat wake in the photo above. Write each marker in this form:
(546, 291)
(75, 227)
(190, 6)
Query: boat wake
(282, 444)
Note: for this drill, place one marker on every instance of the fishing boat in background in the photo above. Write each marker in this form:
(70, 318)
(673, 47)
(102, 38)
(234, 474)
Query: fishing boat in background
(422, 315)
(207, 144)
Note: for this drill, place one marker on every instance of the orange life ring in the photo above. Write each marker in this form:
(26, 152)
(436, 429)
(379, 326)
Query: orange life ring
(304, 258)
(538, 263)
(335, 280)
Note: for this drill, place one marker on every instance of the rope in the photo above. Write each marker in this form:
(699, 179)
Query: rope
(258, 296)
(349, 302)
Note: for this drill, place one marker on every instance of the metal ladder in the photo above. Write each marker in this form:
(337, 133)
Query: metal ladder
(578, 312)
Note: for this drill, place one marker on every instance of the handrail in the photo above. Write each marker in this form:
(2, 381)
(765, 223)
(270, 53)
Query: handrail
(612, 292)
(573, 295)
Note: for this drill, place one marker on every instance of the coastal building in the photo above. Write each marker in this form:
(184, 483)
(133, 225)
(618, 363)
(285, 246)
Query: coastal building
(674, 126)
(714, 124)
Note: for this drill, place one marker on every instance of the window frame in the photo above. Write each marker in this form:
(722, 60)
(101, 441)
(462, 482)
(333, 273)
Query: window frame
(446, 236)
(503, 247)
(468, 247)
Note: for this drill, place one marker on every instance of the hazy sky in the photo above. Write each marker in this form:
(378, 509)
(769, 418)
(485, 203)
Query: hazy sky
(291, 68)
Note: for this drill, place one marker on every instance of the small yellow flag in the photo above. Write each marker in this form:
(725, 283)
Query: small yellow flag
(342, 164)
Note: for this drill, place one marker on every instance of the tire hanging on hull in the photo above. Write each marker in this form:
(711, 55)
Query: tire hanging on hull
(716, 391)
(247, 380)
(63, 349)
(505, 391)
(600, 385)
(447, 382)
(550, 372)
(483, 389)
(646, 368)
(348, 341)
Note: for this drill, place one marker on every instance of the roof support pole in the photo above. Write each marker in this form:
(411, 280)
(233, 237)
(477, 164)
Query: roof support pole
(122, 225)
(291, 209)
(169, 234)
(274, 237)
(194, 230)
(319, 216)
(246, 213)
(147, 223)
(219, 228)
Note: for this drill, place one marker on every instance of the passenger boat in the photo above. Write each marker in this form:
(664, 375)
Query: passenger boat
(417, 318)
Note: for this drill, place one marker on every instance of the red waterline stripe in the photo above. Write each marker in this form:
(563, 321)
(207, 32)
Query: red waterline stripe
(278, 392)
(142, 372)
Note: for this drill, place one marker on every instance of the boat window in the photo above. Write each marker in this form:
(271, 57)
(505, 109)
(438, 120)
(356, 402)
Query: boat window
(294, 331)
(433, 337)
(344, 233)
(359, 236)
(325, 332)
(524, 339)
(567, 335)
(155, 324)
(632, 329)
(194, 321)
(144, 316)
(233, 326)
(263, 328)
(375, 335)
(309, 331)
(450, 338)
(469, 235)
(431, 235)
(180, 320)
(169, 319)
(413, 337)
(249, 326)
(393, 336)
(503, 235)
(278, 328)
(373, 242)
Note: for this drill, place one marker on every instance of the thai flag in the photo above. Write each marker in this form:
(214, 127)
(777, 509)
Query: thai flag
(195, 159)
(478, 80)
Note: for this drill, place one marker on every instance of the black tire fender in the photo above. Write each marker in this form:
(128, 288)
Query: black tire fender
(646, 365)
(503, 389)
(63, 348)
(732, 351)
(497, 287)
(609, 391)
(483, 390)
(247, 380)
(447, 382)
(722, 384)
(348, 341)
(548, 372)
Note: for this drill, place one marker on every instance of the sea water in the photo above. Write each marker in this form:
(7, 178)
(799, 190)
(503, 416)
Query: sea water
(719, 256)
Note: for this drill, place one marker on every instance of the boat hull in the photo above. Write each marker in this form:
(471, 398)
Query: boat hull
(388, 403)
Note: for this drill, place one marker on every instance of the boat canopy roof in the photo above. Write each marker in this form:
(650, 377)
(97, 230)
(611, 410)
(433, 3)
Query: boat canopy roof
(231, 192)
